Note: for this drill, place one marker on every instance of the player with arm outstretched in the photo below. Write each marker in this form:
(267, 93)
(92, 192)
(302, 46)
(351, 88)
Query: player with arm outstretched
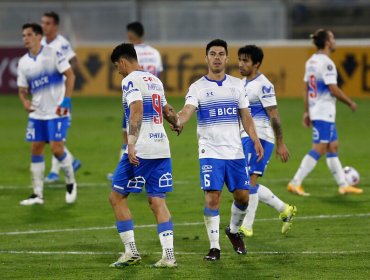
(147, 160)
(320, 98)
(221, 102)
(52, 38)
(48, 77)
(149, 60)
(264, 111)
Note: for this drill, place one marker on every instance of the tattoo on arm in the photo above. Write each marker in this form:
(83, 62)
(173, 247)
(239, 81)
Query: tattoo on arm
(170, 114)
(275, 122)
(135, 120)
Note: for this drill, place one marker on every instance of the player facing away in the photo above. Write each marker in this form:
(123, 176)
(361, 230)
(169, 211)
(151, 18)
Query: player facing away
(52, 38)
(264, 111)
(319, 111)
(45, 74)
(147, 159)
(150, 61)
(220, 101)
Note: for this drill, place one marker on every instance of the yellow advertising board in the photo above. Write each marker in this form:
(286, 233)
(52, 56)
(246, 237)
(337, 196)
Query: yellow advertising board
(283, 65)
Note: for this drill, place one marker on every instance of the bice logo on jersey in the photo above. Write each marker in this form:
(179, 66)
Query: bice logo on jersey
(225, 111)
(39, 82)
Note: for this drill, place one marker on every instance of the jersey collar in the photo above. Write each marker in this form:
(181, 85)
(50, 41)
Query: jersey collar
(248, 81)
(35, 57)
(219, 83)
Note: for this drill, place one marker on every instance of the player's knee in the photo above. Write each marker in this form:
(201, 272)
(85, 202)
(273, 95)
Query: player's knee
(114, 199)
(57, 149)
(241, 197)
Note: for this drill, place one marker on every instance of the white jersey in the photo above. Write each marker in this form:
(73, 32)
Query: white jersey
(261, 94)
(140, 85)
(62, 45)
(320, 72)
(218, 104)
(43, 77)
(149, 58)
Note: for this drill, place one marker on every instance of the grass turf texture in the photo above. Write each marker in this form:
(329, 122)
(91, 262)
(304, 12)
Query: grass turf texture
(333, 246)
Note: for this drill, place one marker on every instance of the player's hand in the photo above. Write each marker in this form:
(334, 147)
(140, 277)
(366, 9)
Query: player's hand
(178, 129)
(353, 106)
(64, 107)
(282, 152)
(306, 120)
(132, 155)
(259, 150)
(28, 106)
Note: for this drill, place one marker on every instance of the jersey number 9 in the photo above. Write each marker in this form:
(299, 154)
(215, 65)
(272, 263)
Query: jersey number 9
(157, 106)
(312, 87)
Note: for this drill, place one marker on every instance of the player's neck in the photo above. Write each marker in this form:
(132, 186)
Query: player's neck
(325, 51)
(51, 38)
(34, 51)
(252, 76)
(216, 76)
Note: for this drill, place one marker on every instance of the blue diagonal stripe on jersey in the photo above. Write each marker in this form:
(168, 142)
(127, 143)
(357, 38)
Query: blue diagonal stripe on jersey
(44, 80)
(257, 111)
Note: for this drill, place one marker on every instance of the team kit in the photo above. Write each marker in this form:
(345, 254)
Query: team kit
(238, 129)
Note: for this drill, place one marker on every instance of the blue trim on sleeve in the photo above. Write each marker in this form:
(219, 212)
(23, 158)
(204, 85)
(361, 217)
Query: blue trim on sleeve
(240, 207)
(165, 226)
(210, 212)
(331, 155)
(314, 154)
(36, 159)
(123, 226)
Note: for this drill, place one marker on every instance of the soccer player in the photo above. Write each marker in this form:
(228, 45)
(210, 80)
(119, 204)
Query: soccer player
(147, 159)
(52, 38)
(264, 111)
(220, 101)
(45, 74)
(322, 92)
(149, 59)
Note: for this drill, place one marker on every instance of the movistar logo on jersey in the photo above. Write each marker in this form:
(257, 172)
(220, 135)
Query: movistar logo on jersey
(266, 89)
(226, 111)
(127, 89)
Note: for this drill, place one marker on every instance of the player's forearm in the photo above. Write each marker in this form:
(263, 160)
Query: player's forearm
(248, 125)
(74, 64)
(276, 127)
(23, 93)
(185, 114)
(338, 93)
(136, 117)
(70, 83)
(170, 115)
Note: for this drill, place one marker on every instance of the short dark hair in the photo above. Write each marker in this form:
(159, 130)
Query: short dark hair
(252, 51)
(35, 27)
(136, 27)
(53, 15)
(320, 37)
(123, 50)
(216, 43)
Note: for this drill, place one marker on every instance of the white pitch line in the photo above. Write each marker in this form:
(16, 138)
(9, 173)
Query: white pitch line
(179, 224)
(185, 253)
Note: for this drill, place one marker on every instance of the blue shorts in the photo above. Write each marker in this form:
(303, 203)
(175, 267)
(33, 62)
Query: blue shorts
(155, 174)
(214, 173)
(47, 130)
(324, 132)
(255, 167)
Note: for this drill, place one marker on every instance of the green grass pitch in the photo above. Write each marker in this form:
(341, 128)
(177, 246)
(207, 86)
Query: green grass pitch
(330, 238)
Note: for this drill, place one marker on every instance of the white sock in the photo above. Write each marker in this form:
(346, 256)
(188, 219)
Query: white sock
(307, 165)
(37, 176)
(213, 230)
(66, 165)
(267, 197)
(336, 169)
(251, 210)
(166, 239)
(238, 213)
(128, 240)
(55, 164)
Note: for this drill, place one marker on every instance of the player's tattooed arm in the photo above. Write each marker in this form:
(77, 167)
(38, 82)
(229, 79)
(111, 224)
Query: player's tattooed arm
(169, 114)
(23, 96)
(136, 117)
(281, 149)
(273, 113)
